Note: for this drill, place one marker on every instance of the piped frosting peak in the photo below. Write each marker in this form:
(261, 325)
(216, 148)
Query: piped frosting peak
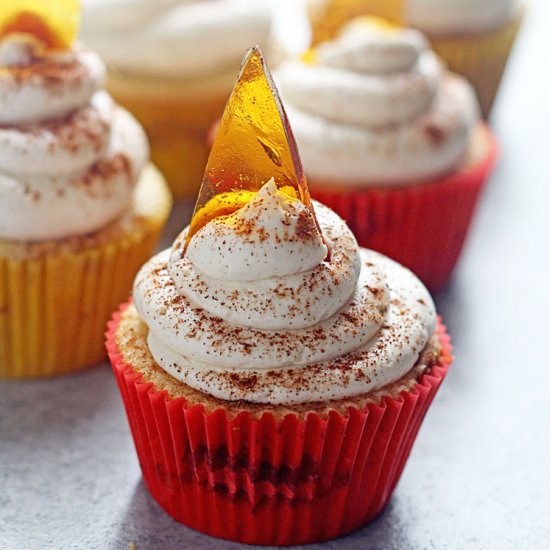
(254, 143)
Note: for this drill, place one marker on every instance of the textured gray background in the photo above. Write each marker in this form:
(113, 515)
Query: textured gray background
(478, 476)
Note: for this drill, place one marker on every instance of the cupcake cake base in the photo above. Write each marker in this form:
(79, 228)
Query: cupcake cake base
(269, 474)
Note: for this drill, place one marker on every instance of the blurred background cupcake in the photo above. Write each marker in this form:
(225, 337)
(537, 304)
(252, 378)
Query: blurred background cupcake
(391, 141)
(81, 207)
(474, 37)
(172, 63)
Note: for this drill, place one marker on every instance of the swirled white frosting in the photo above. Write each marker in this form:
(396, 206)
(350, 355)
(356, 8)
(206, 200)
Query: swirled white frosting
(69, 156)
(376, 107)
(254, 244)
(448, 16)
(301, 330)
(174, 38)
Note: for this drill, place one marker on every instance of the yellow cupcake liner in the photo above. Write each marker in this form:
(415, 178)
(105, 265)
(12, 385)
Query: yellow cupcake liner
(54, 308)
(177, 122)
(328, 17)
(481, 58)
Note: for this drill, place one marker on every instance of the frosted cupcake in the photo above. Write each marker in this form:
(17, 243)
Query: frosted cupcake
(172, 63)
(473, 37)
(81, 207)
(275, 375)
(391, 141)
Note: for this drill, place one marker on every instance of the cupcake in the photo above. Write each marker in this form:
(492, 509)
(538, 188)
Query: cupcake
(473, 37)
(172, 64)
(275, 375)
(81, 208)
(392, 142)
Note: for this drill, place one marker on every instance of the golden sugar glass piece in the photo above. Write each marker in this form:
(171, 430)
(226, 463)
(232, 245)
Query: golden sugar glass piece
(309, 57)
(253, 144)
(329, 17)
(55, 23)
(380, 24)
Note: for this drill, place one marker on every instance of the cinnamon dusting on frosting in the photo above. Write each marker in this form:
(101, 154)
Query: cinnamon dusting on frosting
(131, 337)
(69, 157)
(51, 71)
(266, 341)
(435, 133)
(106, 169)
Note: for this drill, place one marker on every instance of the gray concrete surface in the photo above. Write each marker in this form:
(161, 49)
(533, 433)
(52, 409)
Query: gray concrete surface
(479, 474)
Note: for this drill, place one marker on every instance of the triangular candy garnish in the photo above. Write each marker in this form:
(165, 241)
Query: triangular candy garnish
(335, 14)
(253, 144)
(55, 23)
(372, 22)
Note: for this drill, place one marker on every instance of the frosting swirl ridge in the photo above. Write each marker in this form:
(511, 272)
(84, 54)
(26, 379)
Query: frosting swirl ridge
(272, 235)
(35, 86)
(163, 37)
(272, 242)
(376, 106)
(352, 310)
(70, 157)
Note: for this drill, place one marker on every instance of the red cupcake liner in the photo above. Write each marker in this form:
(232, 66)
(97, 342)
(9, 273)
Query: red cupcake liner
(423, 227)
(263, 480)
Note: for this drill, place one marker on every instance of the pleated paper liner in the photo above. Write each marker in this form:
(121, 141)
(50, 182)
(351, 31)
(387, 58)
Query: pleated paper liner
(328, 17)
(291, 479)
(480, 57)
(423, 226)
(54, 308)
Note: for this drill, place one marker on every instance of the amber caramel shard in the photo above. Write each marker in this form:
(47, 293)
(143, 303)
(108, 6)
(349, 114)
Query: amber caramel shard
(55, 23)
(253, 144)
(329, 17)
